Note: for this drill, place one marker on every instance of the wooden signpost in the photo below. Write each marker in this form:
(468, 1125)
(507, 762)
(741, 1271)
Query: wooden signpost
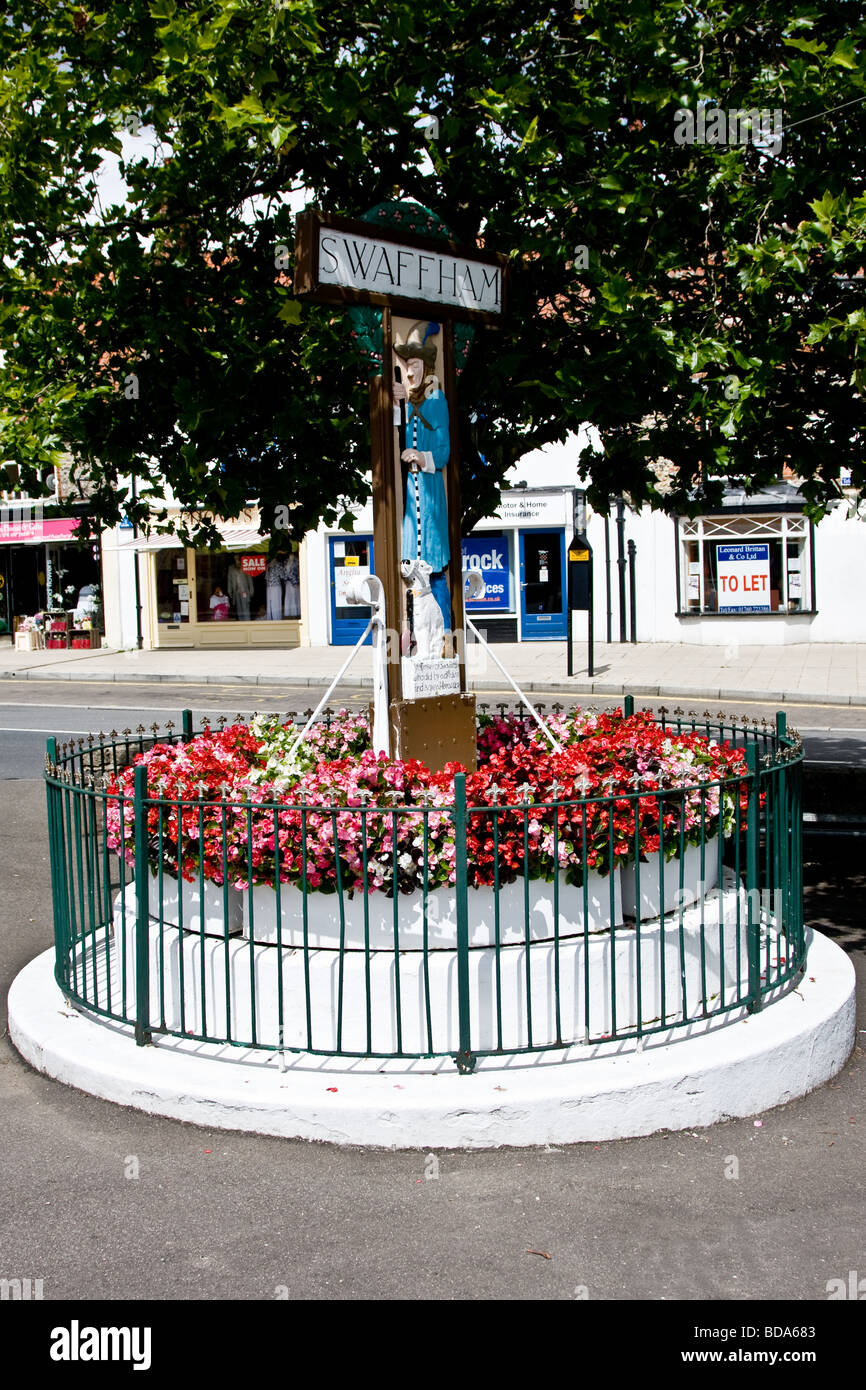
(422, 285)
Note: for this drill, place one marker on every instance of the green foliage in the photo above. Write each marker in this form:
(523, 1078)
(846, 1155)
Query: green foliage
(716, 318)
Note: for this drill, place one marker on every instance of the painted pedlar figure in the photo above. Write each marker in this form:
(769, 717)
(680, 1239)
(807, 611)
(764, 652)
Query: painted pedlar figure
(426, 454)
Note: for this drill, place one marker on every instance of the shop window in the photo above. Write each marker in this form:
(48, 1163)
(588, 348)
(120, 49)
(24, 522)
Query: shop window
(489, 552)
(245, 586)
(73, 582)
(736, 565)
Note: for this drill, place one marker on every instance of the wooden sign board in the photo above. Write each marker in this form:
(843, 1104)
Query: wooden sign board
(341, 261)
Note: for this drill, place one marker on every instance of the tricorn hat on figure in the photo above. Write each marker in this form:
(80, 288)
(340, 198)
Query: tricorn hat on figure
(416, 346)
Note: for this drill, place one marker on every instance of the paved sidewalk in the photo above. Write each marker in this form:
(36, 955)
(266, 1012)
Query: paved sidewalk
(826, 673)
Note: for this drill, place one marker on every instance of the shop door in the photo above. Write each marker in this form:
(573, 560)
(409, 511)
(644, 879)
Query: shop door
(542, 593)
(5, 592)
(27, 580)
(348, 559)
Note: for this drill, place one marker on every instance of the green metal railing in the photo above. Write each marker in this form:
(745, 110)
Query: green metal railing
(454, 970)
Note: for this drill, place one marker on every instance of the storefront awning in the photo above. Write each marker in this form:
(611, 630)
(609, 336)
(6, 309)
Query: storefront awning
(234, 537)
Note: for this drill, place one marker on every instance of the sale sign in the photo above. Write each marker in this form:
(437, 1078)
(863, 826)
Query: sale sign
(253, 564)
(744, 577)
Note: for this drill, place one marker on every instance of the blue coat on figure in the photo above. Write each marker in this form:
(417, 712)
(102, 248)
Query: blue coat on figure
(427, 432)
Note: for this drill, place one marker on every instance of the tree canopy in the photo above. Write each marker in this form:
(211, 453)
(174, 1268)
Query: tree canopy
(701, 303)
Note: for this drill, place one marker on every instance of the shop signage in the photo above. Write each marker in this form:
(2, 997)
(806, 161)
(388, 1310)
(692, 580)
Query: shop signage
(744, 578)
(488, 554)
(20, 530)
(35, 527)
(253, 564)
(532, 509)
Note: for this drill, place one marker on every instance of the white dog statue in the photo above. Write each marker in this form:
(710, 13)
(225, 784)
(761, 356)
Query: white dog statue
(429, 623)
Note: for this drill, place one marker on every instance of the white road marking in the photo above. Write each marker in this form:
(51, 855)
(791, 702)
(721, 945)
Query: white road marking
(50, 732)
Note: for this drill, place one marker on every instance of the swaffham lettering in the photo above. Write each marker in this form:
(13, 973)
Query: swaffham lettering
(444, 270)
(325, 250)
(386, 273)
(366, 263)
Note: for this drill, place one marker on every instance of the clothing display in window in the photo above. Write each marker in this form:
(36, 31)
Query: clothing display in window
(274, 577)
(240, 590)
(292, 592)
(282, 578)
(219, 605)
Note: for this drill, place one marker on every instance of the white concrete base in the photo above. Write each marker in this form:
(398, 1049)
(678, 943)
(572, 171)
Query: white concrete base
(686, 1078)
(209, 912)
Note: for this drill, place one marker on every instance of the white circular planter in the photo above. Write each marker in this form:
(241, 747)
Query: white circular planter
(678, 883)
(381, 1001)
(524, 908)
(205, 911)
(680, 1080)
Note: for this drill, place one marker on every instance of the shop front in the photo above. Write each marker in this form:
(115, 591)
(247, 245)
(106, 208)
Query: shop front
(50, 583)
(520, 554)
(235, 596)
(748, 573)
(745, 564)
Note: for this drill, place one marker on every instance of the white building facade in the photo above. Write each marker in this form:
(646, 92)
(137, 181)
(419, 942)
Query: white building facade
(754, 572)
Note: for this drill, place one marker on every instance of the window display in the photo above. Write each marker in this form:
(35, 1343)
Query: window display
(740, 564)
(234, 586)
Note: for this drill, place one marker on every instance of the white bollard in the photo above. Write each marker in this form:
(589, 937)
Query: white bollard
(369, 591)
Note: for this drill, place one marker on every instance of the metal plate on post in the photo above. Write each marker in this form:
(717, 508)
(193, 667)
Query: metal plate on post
(436, 729)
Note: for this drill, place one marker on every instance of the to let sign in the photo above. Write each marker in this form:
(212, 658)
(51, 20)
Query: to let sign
(744, 578)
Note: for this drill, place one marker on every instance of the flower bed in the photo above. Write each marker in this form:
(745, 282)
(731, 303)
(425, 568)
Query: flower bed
(332, 817)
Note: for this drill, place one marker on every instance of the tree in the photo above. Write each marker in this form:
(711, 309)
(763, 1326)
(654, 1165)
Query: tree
(696, 302)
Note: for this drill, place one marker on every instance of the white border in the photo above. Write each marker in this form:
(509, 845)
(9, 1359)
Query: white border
(684, 1079)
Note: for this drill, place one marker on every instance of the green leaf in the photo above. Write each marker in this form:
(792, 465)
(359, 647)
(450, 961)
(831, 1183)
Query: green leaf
(291, 311)
(805, 45)
(844, 55)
